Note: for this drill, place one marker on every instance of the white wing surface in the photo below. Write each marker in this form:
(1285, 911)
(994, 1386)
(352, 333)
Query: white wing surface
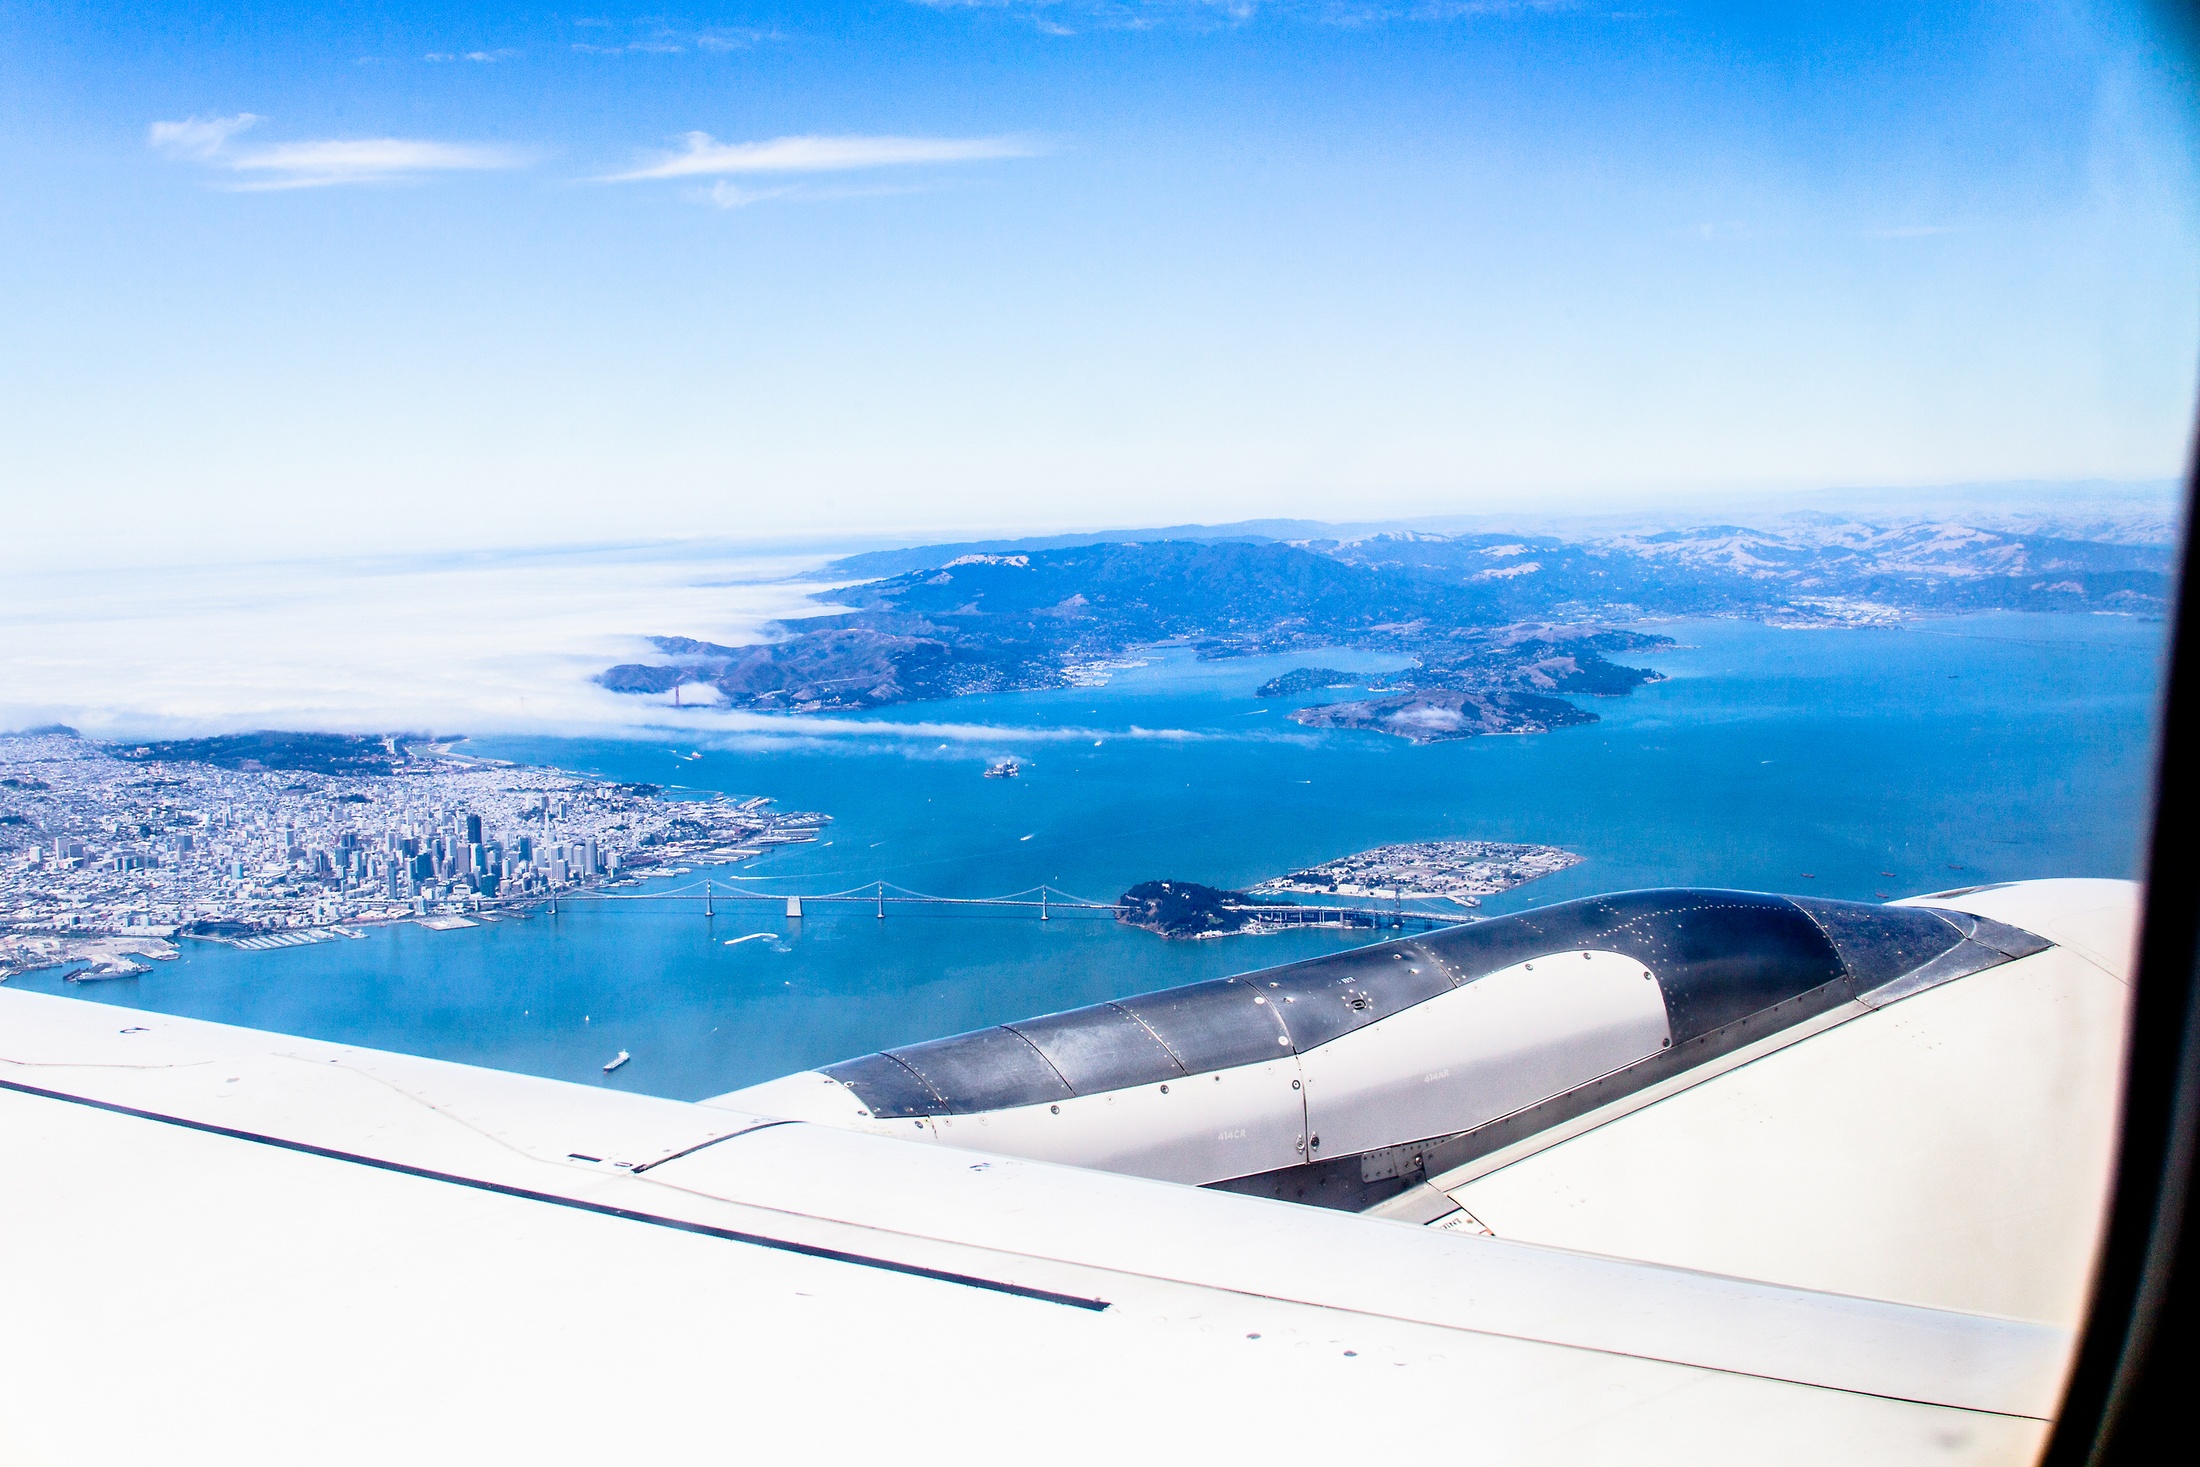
(1860, 1237)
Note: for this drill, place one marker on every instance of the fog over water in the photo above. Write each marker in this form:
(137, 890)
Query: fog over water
(500, 643)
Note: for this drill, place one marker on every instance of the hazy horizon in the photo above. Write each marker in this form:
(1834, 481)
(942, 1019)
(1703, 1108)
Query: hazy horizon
(509, 640)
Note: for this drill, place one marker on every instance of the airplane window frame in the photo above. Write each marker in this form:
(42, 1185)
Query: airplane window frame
(2130, 1383)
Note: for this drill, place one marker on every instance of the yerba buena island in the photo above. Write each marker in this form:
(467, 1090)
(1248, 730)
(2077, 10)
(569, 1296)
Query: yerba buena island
(108, 852)
(1461, 872)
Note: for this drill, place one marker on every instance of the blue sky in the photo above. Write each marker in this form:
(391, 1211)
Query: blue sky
(474, 276)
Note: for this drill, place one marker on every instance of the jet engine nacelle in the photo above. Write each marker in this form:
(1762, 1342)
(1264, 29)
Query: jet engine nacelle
(1344, 1079)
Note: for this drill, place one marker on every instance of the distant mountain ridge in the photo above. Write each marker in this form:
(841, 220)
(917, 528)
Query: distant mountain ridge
(2139, 512)
(1502, 628)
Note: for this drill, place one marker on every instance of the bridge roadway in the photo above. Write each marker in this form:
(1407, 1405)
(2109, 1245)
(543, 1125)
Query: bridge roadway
(1043, 900)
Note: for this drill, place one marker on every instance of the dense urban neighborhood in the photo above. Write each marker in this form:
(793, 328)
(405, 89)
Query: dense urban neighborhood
(108, 852)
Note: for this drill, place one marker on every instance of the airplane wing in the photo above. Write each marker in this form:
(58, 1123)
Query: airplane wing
(238, 1245)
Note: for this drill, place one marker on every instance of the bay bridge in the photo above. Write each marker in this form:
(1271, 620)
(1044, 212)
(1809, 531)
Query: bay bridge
(1044, 902)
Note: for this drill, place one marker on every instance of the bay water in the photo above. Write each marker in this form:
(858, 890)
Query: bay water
(1860, 763)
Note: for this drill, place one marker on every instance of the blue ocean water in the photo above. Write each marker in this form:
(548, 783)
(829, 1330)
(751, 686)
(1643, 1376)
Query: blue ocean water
(1851, 763)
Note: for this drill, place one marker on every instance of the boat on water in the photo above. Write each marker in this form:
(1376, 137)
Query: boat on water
(102, 975)
(622, 1059)
(1003, 769)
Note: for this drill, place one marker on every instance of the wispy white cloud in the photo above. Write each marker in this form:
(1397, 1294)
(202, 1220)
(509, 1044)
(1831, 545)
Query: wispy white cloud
(199, 137)
(1493, 9)
(704, 156)
(644, 47)
(318, 163)
(734, 39)
(363, 160)
(658, 39)
(734, 196)
(503, 54)
(1067, 17)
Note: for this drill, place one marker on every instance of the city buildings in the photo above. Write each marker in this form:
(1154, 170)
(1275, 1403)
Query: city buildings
(94, 846)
